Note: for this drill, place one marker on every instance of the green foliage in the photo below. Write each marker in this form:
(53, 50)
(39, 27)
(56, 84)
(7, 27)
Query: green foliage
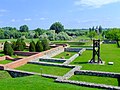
(92, 34)
(63, 36)
(13, 45)
(8, 49)
(19, 45)
(113, 34)
(39, 31)
(24, 28)
(45, 44)
(57, 26)
(39, 47)
(32, 46)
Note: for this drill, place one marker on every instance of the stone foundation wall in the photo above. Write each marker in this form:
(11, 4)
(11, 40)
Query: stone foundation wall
(51, 64)
(72, 49)
(53, 52)
(97, 73)
(22, 53)
(52, 60)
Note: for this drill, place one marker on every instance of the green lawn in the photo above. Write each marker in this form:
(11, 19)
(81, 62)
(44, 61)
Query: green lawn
(64, 55)
(95, 79)
(53, 70)
(37, 83)
(109, 53)
(4, 75)
(5, 61)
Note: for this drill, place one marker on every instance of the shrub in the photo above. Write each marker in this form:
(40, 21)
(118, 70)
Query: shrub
(45, 44)
(38, 46)
(19, 45)
(8, 49)
(32, 46)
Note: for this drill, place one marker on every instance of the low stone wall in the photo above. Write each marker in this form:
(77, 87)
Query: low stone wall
(70, 73)
(81, 51)
(6, 58)
(93, 85)
(2, 58)
(19, 73)
(72, 49)
(97, 73)
(51, 64)
(53, 52)
(22, 53)
(71, 59)
(52, 60)
(109, 42)
(23, 61)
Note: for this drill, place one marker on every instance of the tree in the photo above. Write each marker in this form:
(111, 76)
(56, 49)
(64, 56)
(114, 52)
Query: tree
(100, 29)
(24, 28)
(57, 26)
(8, 49)
(93, 28)
(32, 46)
(38, 46)
(45, 44)
(92, 34)
(13, 45)
(114, 34)
(19, 45)
(39, 31)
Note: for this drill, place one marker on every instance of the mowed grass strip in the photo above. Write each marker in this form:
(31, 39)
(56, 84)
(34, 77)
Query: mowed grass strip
(37, 83)
(5, 61)
(95, 79)
(52, 70)
(4, 75)
(109, 53)
(65, 55)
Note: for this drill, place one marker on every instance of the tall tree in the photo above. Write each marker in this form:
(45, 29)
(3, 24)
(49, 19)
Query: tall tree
(24, 28)
(100, 29)
(57, 26)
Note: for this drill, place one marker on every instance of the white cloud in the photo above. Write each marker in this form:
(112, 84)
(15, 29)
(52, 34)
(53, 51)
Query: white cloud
(94, 3)
(3, 10)
(42, 18)
(27, 19)
(13, 20)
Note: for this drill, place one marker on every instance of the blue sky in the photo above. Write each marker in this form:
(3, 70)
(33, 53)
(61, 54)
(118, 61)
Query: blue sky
(71, 13)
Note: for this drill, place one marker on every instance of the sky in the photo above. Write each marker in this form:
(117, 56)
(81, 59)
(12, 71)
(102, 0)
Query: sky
(71, 13)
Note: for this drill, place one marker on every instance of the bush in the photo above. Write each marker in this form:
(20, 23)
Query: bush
(38, 46)
(8, 49)
(32, 46)
(45, 44)
(19, 45)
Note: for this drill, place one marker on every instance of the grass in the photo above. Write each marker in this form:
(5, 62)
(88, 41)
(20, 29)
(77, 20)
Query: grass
(95, 79)
(37, 83)
(53, 70)
(4, 75)
(5, 61)
(64, 55)
(109, 53)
